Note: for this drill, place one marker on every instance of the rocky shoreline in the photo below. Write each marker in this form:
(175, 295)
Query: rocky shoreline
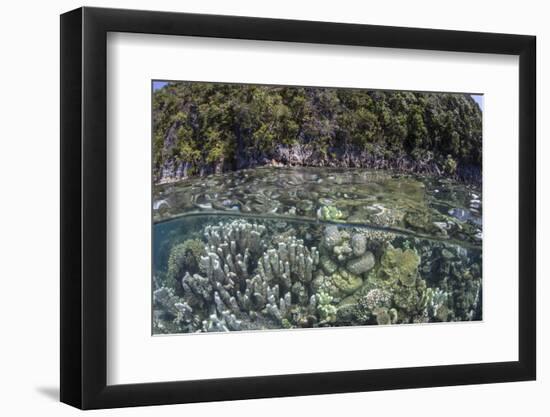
(203, 129)
(173, 172)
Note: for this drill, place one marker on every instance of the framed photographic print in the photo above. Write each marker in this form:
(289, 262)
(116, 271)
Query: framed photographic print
(256, 208)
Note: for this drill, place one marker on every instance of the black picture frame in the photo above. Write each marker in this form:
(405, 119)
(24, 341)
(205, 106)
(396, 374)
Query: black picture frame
(84, 207)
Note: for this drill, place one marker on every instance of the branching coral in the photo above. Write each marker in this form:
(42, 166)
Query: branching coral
(244, 284)
(247, 276)
(437, 306)
(236, 236)
(171, 313)
(327, 311)
(455, 273)
(290, 262)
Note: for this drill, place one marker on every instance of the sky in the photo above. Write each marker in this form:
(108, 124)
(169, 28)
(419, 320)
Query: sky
(159, 84)
(477, 97)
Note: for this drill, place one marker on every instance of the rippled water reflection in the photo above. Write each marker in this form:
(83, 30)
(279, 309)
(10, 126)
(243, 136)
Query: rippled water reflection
(432, 207)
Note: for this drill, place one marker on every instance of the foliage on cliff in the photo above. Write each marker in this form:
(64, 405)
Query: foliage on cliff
(200, 128)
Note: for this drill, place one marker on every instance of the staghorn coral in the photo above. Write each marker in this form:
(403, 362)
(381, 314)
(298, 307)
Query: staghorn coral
(263, 276)
(236, 236)
(229, 249)
(245, 284)
(290, 262)
(225, 323)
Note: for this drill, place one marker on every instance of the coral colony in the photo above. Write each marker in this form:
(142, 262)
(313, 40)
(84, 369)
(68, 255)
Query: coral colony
(240, 276)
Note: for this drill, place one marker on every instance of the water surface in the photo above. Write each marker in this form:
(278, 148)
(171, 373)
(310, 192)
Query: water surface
(272, 248)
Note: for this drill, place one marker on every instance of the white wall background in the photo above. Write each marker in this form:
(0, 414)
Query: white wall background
(29, 233)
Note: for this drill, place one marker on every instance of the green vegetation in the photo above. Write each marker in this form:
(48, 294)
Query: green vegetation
(201, 128)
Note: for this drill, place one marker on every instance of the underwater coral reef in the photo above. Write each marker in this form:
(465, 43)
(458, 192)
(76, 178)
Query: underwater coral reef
(232, 274)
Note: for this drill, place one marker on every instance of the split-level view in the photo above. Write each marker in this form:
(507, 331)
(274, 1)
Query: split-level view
(287, 207)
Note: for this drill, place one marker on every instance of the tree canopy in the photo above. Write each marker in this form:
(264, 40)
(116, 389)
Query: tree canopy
(199, 128)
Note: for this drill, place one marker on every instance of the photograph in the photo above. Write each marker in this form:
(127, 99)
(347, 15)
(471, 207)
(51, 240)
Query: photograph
(275, 209)
(289, 207)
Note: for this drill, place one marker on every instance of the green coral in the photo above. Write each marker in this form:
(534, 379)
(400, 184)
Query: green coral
(400, 265)
(408, 300)
(329, 213)
(286, 323)
(184, 257)
(385, 316)
(326, 310)
(398, 287)
(346, 282)
(412, 301)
